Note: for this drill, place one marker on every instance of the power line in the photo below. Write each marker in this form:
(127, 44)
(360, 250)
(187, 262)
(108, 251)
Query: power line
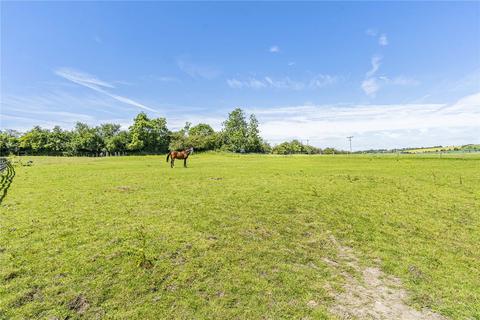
(350, 140)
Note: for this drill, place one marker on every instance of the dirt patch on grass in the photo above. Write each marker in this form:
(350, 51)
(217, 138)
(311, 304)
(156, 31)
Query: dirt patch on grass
(79, 304)
(124, 189)
(29, 296)
(371, 294)
(11, 275)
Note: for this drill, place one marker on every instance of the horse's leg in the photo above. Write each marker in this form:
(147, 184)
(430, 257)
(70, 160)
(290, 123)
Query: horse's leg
(185, 162)
(172, 162)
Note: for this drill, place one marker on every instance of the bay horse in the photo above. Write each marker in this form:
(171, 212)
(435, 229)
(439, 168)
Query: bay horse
(179, 155)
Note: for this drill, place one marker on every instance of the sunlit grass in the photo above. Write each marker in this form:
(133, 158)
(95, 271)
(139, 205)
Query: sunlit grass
(234, 236)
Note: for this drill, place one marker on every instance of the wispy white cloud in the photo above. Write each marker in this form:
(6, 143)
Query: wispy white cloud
(318, 81)
(274, 49)
(400, 81)
(196, 70)
(97, 39)
(159, 78)
(469, 82)
(372, 83)
(383, 40)
(291, 63)
(381, 37)
(167, 79)
(249, 83)
(469, 105)
(92, 82)
(234, 83)
(375, 126)
(47, 110)
(323, 80)
(284, 83)
(371, 32)
(57, 107)
(370, 86)
(376, 62)
(51, 107)
(82, 78)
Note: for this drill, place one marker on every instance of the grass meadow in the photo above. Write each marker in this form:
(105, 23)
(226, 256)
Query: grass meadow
(234, 236)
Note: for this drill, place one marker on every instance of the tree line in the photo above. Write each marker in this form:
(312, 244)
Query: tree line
(148, 136)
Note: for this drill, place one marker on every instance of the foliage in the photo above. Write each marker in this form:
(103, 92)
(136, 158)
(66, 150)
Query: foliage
(58, 141)
(86, 139)
(202, 137)
(240, 136)
(178, 140)
(149, 135)
(9, 142)
(295, 147)
(35, 141)
(234, 131)
(146, 135)
(331, 150)
(254, 141)
(115, 139)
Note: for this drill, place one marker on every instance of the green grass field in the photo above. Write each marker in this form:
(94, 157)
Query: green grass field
(234, 236)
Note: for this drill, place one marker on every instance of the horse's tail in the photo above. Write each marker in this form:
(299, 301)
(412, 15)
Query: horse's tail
(168, 155)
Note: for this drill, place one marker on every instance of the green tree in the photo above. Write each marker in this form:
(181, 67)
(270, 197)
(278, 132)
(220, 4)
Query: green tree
(9, 142)
(202, 137)
(34, 141)
(254, 141)
(118, 142)
(149, 135)
(115, 140)
(234, 131)
(58, 141)
(160, 136)
(86, 139)
(294, 147)
(331, 150)
(179, 139)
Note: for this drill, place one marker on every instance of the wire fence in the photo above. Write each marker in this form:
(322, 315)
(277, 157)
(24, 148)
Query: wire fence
(3, 164)
(7, 173)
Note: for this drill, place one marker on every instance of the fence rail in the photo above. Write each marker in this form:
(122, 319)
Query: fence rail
(3, 164)
(7, 173)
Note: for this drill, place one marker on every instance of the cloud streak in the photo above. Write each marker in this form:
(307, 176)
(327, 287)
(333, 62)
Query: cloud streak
(381, 38)
(92, 82)
(274, 49)
(372, 83)
(397, 124)
(316, 82)
(50, 108)
(197, 71)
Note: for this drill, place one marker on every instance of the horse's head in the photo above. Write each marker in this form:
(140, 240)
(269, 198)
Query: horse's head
(190, 150)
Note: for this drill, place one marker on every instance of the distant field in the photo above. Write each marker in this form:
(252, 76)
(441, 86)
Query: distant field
(466, 148)
(436, 149)
(235, 236)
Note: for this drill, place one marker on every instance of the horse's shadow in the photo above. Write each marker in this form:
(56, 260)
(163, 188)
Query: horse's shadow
(6, 180)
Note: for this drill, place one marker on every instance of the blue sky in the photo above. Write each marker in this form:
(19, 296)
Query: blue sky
(390, 74)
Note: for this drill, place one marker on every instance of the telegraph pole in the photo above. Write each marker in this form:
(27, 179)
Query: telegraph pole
(350, 140)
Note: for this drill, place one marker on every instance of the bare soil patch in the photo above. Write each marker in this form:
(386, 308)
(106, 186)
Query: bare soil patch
(371, 294)
(79, 304)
